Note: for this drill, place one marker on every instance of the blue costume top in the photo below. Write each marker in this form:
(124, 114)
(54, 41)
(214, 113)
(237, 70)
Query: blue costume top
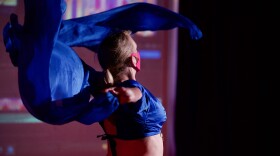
(141, 119)
(54, 83)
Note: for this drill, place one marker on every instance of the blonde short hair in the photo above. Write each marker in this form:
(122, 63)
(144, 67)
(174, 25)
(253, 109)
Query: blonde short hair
(114, 52)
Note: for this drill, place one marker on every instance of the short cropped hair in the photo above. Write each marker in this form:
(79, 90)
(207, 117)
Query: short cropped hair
(114, 52)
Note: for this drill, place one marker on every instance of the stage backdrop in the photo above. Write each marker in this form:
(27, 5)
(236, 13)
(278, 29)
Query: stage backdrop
(23, 135)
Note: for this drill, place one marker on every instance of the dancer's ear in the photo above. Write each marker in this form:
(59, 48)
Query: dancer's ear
(135, 61)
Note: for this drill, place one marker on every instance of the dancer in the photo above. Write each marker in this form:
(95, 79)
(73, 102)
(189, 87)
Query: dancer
(135, 127)
(55, 85)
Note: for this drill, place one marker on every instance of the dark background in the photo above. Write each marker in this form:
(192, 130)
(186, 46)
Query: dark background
(222, 77)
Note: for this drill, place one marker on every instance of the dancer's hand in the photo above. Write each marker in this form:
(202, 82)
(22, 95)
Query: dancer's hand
(126, 95)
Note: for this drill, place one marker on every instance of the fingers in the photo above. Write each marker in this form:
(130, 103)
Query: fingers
(120, 90)
(111, 89)
(124, 94)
